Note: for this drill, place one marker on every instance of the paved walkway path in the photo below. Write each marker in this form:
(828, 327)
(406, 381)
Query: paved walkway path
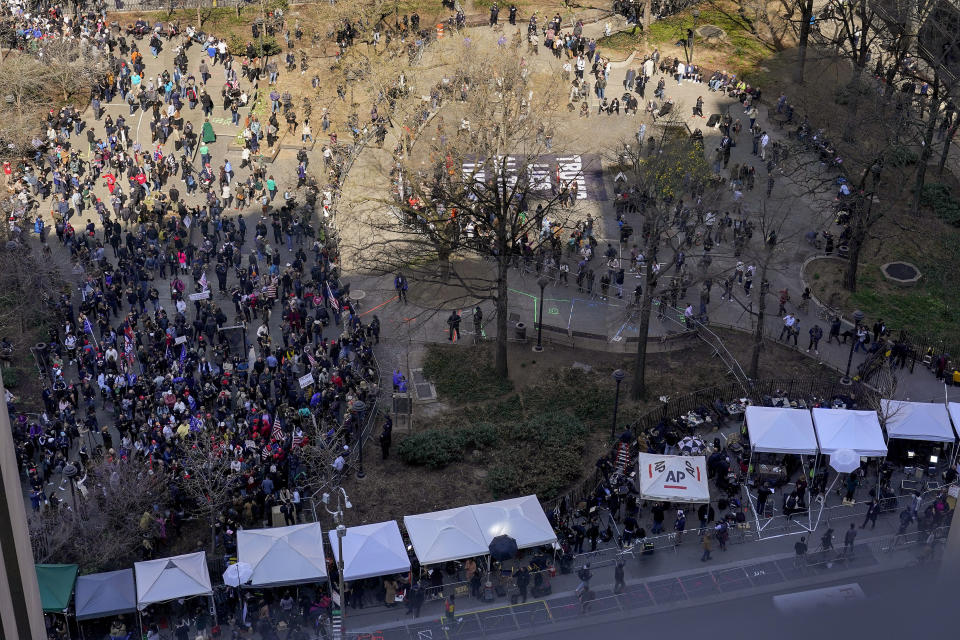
(802, 203)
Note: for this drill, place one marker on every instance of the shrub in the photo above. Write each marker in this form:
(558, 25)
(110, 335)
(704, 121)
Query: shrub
(544, 456)
(11, 378)
(901, 156)
(436, 448)
(938, 197)
(464, 374)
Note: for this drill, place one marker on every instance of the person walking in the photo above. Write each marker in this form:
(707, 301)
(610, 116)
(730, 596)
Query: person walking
(800, 551)
(453, 322)
(816, 333)
(873, 511)
(584, 574)
(386, 438)
(848, 539)
(523, 582)
(679, 525)
(706, 548)
(400, 284)
(619, 584)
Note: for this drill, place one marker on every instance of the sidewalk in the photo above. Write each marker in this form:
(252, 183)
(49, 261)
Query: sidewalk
(688, 587)
(772, 557)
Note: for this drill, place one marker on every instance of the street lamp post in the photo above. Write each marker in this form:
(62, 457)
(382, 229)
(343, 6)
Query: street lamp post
(857, 319)
(618, 375)
(359, 406)
(543, 281)
(341, 533)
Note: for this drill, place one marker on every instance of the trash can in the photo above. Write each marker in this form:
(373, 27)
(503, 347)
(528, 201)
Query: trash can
(521, 332)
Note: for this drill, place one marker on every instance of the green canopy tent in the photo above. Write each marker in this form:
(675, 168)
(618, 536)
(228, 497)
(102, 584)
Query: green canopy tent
(56, 586)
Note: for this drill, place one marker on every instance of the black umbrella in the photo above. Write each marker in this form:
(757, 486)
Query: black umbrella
(503, 548)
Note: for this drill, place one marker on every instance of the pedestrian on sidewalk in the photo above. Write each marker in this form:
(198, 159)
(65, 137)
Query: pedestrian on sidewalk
(523, 582)
(800, 549)
(618, 582)
(584, 574)
(873, 511)
(815, 334)
(848, 540)
(679, 525)
(706, 548)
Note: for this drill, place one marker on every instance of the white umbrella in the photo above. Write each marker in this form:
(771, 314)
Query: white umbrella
(691, 446)
(237, 574)
(845, 460)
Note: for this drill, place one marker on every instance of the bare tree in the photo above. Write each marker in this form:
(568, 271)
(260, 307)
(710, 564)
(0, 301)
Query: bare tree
(104, 530)
(71, 65)
(460, 225)
(207, 478)
(657, 181)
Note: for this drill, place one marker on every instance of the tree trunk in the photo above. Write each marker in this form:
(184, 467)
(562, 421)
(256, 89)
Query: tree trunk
(854, 245)
(806, 12)
(647, 10)
(213, 533)
(758, 332)
(639, 368)
(500, 363)
(927, 150)
(946, 147)
(443, 258)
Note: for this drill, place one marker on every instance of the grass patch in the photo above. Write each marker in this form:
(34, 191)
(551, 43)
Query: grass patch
(622, 41)
(464, 375)
(743, 50)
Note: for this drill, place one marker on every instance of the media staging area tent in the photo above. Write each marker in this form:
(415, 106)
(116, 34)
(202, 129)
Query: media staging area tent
(371, 550)
(781, 430)
(522, 519)
(441, 536)
(283, 555)
(166, 579)
(674, 478)
(465, 532)
(918, 421)
(56, 583)
(858, 431)
(100, 595)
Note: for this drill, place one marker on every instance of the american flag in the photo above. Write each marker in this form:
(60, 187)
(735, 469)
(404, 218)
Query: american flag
(333, 299)
(276, 432)
(203, 281)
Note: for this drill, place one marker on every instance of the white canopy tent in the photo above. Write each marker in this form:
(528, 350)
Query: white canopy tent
(168, 579)
(781, 430)
(283, 555)
(858, 431)
(674, 478)
(953, 408)
(371, 550)
(926, 421)
(522, 519)
(440, 536)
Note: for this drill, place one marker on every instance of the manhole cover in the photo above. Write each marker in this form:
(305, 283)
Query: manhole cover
(900, 272)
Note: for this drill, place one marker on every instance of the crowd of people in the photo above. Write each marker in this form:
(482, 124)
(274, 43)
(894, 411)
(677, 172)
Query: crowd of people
(188, 331)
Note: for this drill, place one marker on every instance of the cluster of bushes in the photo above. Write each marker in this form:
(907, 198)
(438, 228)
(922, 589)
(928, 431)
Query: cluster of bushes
(464, 375)
(436, 448)
(532, 441)
(938, 197)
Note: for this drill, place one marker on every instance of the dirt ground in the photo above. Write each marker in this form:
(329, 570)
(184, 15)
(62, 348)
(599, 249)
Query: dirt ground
(392, 489)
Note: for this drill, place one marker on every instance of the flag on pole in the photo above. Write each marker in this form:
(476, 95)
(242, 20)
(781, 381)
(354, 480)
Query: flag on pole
(86, 326)
(333, 299)
(203, 281)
